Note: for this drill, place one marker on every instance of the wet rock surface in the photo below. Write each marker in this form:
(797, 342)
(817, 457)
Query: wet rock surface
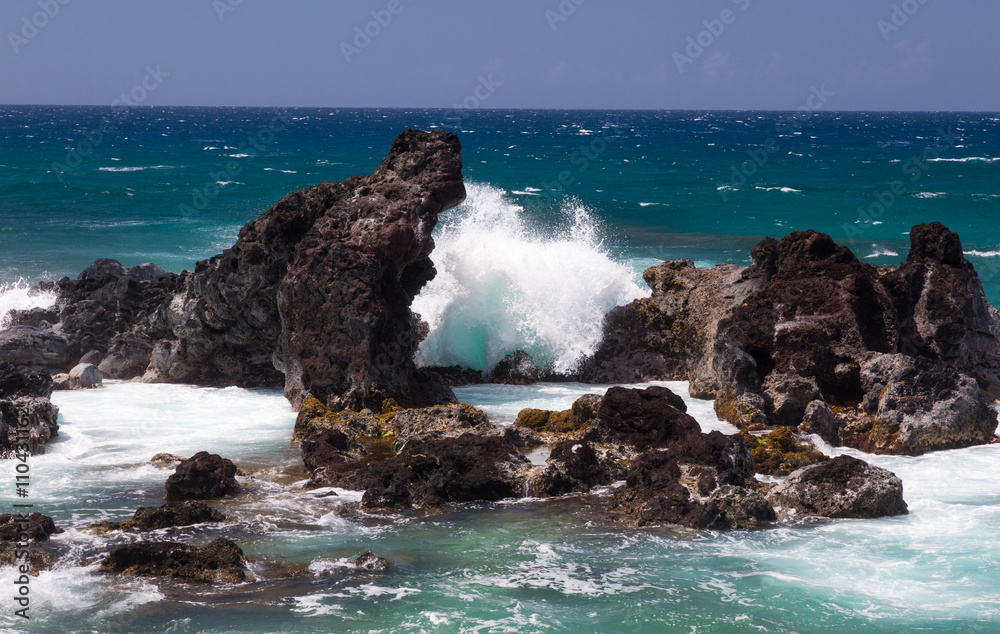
(28, 419)
(201, 477)
(220, 561)
(843, 487)
(434, 471)
(169, 515)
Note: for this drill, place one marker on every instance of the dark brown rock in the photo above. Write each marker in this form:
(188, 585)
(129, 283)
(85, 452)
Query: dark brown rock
(575, 467)
(653, 494)
(201, 477)
(517, 368)
(37, 527)
(220, 561)
(314, 295)
(433, 471)
(169, 515)
(654, 417)
(670, 335)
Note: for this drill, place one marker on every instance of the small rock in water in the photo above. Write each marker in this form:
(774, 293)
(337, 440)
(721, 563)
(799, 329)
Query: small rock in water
(371, 562)
(37, 526)
(201, 477)
(85, 376)
(166, 457)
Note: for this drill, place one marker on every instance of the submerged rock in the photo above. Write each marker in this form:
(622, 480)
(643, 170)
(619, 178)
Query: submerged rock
(220, 561)
(372, 563)
(201, 477)
(843, 487)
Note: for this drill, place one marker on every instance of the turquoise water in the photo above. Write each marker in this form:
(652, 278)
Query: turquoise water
(527, 263)
(525, 566)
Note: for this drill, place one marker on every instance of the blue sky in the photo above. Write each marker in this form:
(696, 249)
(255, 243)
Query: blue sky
(762, 54)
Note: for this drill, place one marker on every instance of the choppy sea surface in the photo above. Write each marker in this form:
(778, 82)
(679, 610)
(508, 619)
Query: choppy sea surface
(565, 210)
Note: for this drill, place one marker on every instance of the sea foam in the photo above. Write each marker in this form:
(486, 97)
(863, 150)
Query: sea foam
(19, 296)
(504, 285)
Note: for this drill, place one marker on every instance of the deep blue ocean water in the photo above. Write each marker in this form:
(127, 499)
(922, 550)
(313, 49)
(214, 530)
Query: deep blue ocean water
(565, 209)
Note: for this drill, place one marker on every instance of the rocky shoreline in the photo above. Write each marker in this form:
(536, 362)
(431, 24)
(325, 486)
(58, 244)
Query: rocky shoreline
(315, 295)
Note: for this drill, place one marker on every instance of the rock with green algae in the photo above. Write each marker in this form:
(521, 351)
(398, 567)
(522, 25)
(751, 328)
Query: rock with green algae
(779, 453)
(576, 419)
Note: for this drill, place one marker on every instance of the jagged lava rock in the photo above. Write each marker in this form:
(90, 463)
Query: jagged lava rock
(915, 405)
(670, 335)
(36, 526)
(201, 477)
(35, 348)
(314, 295)
(517, 368)
(943, 312)
(28, 419)
(429, 472)
(654, 417)
(348, 335)
(653, 494)
(823, 319)
(574, 466)
(219, 561)
(843, 487)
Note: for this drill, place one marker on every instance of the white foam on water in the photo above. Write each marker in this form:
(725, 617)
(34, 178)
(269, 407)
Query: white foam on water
(783, 190)
(983, 254)
(967, 159)
(503, 285)
(880, 251)
(19, 296)
(134, 169)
